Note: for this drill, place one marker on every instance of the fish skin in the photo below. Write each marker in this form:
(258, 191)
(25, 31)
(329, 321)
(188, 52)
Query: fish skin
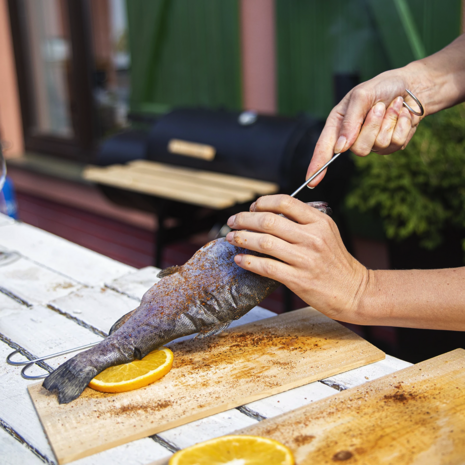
(205, 295)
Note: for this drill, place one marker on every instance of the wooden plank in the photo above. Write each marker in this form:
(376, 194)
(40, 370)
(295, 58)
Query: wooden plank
(42, 331)
(416, 415)
(8, 303)
(185, 182)
(99, 307)
(207, 428)
(219, 179)
(209, 376)
(34, 283)
(137, 283)
(79, 263)
(15, 453)
(164, 190)
(192, 179)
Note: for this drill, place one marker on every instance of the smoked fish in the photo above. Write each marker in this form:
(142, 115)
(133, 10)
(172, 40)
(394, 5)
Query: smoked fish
(203, 296)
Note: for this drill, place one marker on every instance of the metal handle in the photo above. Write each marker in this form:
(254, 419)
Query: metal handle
(25, 376)
(406, 105)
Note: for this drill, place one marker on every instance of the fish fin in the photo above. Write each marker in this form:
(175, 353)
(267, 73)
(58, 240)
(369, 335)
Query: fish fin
(70, 379)
(212, 330)
(121, 321)
(168, 271)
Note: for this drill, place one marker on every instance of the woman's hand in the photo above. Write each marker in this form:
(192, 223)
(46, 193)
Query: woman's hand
(304, 251)
(370, 118)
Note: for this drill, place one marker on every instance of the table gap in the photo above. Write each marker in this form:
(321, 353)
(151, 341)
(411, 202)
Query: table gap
(79, 322)
(9, 430)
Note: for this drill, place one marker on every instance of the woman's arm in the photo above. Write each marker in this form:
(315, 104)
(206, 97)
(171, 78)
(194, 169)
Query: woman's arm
(428, 299)
(371, 116)
(305, 253)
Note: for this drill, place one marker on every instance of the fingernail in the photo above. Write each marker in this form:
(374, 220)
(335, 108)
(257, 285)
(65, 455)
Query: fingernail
(252, 207)
(238, 259)
(232, 220)
(398, 103)
(310, 187)
(230, 237)
(378, 109)
(340, 144)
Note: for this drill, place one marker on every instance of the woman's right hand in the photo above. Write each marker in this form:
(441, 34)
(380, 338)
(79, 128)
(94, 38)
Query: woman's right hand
(370, 118)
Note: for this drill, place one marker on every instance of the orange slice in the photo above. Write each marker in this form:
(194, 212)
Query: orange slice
(240, 450)
(136, 374)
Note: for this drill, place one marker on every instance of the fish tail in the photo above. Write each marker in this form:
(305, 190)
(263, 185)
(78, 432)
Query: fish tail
(70, 379)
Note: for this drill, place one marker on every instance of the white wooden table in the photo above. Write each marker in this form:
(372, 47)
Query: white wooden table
(55, 295)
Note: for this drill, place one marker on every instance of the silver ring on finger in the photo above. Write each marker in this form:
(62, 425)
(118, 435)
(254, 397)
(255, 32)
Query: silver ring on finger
(409, 108)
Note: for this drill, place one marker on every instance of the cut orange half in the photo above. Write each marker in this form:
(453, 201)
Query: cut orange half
(237, 450)
(136, 374)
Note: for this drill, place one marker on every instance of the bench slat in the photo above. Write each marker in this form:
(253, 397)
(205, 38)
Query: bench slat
(79, 263)
(136, 284)
(42, 332)
(116, 179)
(97, 306)
(16, 407)
(15, 453)
(206, 428)
(220, 179)
(33, 283)
(183, 184)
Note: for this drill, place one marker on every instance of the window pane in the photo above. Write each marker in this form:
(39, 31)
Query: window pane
(50, 52)
(111, 64)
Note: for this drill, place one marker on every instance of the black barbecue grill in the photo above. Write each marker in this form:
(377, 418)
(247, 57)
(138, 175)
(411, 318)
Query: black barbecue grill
(245, 144)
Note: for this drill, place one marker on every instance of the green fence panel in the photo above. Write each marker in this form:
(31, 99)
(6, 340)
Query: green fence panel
(184, 52)
(413, 29)
(316, 40)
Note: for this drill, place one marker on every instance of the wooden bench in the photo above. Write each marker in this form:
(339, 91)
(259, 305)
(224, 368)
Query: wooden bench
(202, 188)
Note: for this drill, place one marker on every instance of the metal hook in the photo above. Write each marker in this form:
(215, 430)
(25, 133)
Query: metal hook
(47, 357)
(25, 376)
(417, 113)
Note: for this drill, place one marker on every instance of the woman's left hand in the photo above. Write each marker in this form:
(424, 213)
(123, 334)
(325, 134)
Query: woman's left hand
(304, 252)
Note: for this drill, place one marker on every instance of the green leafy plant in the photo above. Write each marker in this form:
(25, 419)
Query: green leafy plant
(419, 191)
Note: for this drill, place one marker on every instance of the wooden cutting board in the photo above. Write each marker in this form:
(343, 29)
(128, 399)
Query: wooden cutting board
(209, 376)
(413, 416)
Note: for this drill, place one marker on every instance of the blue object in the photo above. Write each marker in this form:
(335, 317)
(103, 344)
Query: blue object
(8, 193)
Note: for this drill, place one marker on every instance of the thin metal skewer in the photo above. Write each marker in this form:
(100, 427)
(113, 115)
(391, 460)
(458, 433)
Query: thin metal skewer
(31, 362)
(313, 176)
